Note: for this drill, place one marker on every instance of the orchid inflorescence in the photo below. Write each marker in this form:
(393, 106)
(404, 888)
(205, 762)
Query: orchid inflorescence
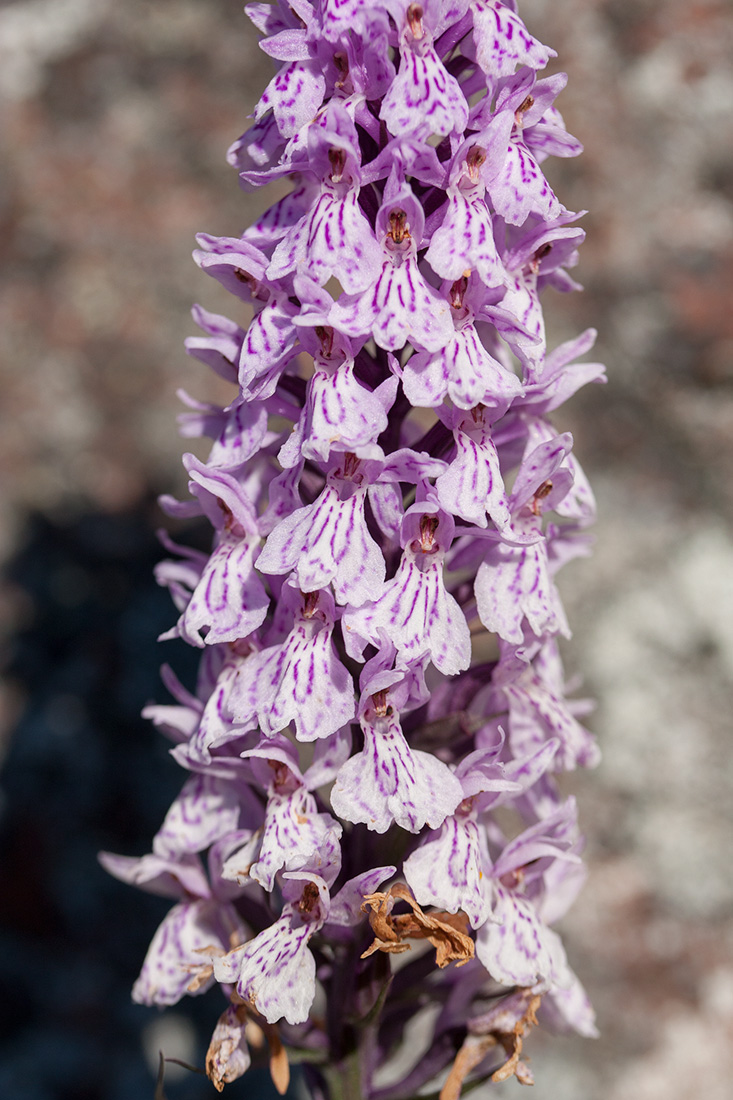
(378, 618)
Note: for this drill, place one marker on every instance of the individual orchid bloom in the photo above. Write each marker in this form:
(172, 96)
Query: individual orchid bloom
(513, 582)
(301, 680)
(549, 135)
(424, 97)
(275, 972)
(229, 600)
(388, 781)
(377, 620)
(533, 693)
(513, 944)
(463, 368)
(415, 610)
(294, 834)
(333, 237)
(447, 869)
(339, 412)
(237, 265)
(401, 305)
(541, 247)
(365, 70)
(579, 503)
(530, 263)
(328, 542)
(296, 92)
(520, 188)
(465, 238)
(472, 487)
(199, 920)
(270, 341)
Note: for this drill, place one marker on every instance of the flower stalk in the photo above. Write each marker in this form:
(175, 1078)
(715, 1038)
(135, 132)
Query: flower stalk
(378, 619)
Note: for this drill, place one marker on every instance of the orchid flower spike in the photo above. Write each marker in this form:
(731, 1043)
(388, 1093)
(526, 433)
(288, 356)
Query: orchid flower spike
(391, 502)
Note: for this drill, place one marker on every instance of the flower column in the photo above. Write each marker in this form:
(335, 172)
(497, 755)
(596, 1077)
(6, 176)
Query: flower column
(378, 619)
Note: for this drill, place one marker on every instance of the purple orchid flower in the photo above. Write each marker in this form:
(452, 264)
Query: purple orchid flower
(391, 502)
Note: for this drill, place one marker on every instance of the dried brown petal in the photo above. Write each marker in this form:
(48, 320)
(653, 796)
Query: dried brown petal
(447, 932)
(472, 1053)
(477, 1046)
(228, 1057)
(279, 1065)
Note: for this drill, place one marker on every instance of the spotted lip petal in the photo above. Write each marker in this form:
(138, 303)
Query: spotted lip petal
(415, 611)
(462, 369)
(294, 834)
(230, 601)
(503, 41)
(217, 725)
(340, 414)
(175, 953)
(424, 98)
(401, 306)
(328, 542)
(294, 95)
(472, 486)
(390, 782)
(276, 972)
(466, 240)
(514, 945)
(513, 585)
(333, 236)
(300, 681)
(446, 870)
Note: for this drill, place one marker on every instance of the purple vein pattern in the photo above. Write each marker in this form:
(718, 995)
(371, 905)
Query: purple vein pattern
(391, 502)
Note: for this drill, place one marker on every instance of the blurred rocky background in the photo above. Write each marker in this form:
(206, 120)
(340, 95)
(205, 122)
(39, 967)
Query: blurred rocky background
(115, 122)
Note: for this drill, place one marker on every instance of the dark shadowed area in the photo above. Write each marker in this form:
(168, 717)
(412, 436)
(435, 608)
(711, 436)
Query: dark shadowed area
(116, 121)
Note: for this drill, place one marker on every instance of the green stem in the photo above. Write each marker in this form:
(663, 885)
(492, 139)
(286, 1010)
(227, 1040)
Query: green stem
(344, 1080)
(371, 1019)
